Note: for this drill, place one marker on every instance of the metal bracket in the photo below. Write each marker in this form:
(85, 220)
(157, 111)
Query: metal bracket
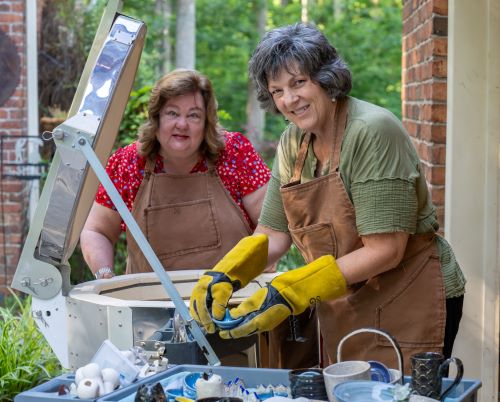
(154, 350)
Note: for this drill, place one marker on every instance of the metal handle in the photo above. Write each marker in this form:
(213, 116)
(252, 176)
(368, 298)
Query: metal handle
(389, 337)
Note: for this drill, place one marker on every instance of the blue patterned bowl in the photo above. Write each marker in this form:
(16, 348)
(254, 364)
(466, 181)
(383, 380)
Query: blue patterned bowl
(363, 391)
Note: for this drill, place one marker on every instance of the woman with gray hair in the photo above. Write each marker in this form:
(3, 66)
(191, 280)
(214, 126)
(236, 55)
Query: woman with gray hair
(348, 189)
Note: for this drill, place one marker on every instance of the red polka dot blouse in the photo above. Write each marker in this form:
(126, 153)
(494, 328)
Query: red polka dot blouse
(240, 167)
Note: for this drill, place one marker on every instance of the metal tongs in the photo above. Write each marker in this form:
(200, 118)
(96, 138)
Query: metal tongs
(179, 327)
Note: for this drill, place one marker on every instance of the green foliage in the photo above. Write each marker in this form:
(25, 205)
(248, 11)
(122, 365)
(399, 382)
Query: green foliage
(26, 360)
(225, 36)
(135, 114)
(368, 35)
(292, 259)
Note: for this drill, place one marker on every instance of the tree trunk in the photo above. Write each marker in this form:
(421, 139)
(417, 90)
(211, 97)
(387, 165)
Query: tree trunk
(303, 16)
(164, 8)
(255, 115)
(337, 9)
(185, 47)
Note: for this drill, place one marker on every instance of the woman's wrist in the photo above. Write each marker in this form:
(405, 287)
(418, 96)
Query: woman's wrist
(104, 273)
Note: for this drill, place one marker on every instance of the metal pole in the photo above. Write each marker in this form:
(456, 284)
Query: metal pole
(145, 247)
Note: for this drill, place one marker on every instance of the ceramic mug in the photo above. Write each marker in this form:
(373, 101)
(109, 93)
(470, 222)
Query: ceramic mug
(307, 383)
(427, 372)
(348, 370)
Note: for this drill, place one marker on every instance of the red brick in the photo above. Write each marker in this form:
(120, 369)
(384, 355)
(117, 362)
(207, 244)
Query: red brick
(434, 154)
(5, 124)
(433, 132)
(440, 46)
(17, 28)
(438, 113)
(411, 127)
(15, 103)
(440, 7)
(425, 12)
(11, 208)
(18, 7)
(439, 91)
(9, 18)
(438, 194)
(16, 114)
(407, 9)
(435, 175)
(440, 68)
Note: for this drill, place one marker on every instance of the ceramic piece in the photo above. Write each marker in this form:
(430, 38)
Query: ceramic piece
(363, 391)
(227, 322)
(379, 372)
(189, 384)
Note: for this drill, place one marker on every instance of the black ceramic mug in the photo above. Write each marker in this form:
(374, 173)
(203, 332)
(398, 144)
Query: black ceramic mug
(308, 383)
(427, 372)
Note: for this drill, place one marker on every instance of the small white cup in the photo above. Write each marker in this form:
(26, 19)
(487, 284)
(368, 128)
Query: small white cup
(344, 371)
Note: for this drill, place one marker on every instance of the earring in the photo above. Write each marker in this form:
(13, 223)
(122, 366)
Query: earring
(333, 99)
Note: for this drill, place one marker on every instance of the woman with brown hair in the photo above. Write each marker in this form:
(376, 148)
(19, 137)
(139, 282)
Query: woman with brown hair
(194, 188)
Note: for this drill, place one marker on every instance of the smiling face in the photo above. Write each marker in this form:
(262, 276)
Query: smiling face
(302, 101)
(182, 127)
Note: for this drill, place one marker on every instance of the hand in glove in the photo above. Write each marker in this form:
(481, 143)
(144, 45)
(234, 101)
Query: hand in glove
(237, 268)
(289, 293)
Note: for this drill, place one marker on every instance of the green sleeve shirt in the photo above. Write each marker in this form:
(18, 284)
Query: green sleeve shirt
(381, 171)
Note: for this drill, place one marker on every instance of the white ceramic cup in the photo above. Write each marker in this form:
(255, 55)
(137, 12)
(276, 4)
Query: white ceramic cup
(344, 371)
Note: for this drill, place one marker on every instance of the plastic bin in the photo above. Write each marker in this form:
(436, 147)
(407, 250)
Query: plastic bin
(251, 376)
(48, 391)
(466, 391)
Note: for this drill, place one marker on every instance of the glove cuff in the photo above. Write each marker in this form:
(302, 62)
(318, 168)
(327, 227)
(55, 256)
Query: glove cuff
(246, 260)
(321, 280)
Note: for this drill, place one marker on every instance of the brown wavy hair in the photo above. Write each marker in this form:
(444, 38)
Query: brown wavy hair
(176, 83)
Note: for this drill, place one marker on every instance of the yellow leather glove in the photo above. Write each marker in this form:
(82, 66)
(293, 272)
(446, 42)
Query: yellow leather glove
(289, 293)
(237, 268)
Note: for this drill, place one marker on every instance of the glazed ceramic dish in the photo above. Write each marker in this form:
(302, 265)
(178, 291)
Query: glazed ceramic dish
(227, 322)
(363, 391)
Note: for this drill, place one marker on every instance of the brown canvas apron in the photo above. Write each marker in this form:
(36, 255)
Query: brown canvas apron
(191, 221)
(407, 301)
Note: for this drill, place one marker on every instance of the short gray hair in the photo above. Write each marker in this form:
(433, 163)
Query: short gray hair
(300, 45)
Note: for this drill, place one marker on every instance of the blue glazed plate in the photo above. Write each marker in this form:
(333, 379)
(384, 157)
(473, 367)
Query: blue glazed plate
(227, 322)
(379, 372)
(189, 384)
(363, 391)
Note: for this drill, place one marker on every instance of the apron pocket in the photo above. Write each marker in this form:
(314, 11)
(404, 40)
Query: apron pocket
(182, 228)
(414, 309)
(315, 241)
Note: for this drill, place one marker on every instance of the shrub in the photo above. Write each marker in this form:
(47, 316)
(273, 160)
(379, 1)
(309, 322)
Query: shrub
(26, 359)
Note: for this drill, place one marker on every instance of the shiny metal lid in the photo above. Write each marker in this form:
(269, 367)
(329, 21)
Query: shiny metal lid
(71, 186)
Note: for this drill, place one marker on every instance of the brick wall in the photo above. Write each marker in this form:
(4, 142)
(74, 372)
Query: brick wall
(425, 50)
(14, 194)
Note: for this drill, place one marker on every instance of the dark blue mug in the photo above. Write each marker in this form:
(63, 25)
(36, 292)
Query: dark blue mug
(427, 372)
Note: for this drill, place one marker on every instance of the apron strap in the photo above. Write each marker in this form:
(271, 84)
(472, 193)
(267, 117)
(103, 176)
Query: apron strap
(301, 157)
(341, 109)
(149, 168)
